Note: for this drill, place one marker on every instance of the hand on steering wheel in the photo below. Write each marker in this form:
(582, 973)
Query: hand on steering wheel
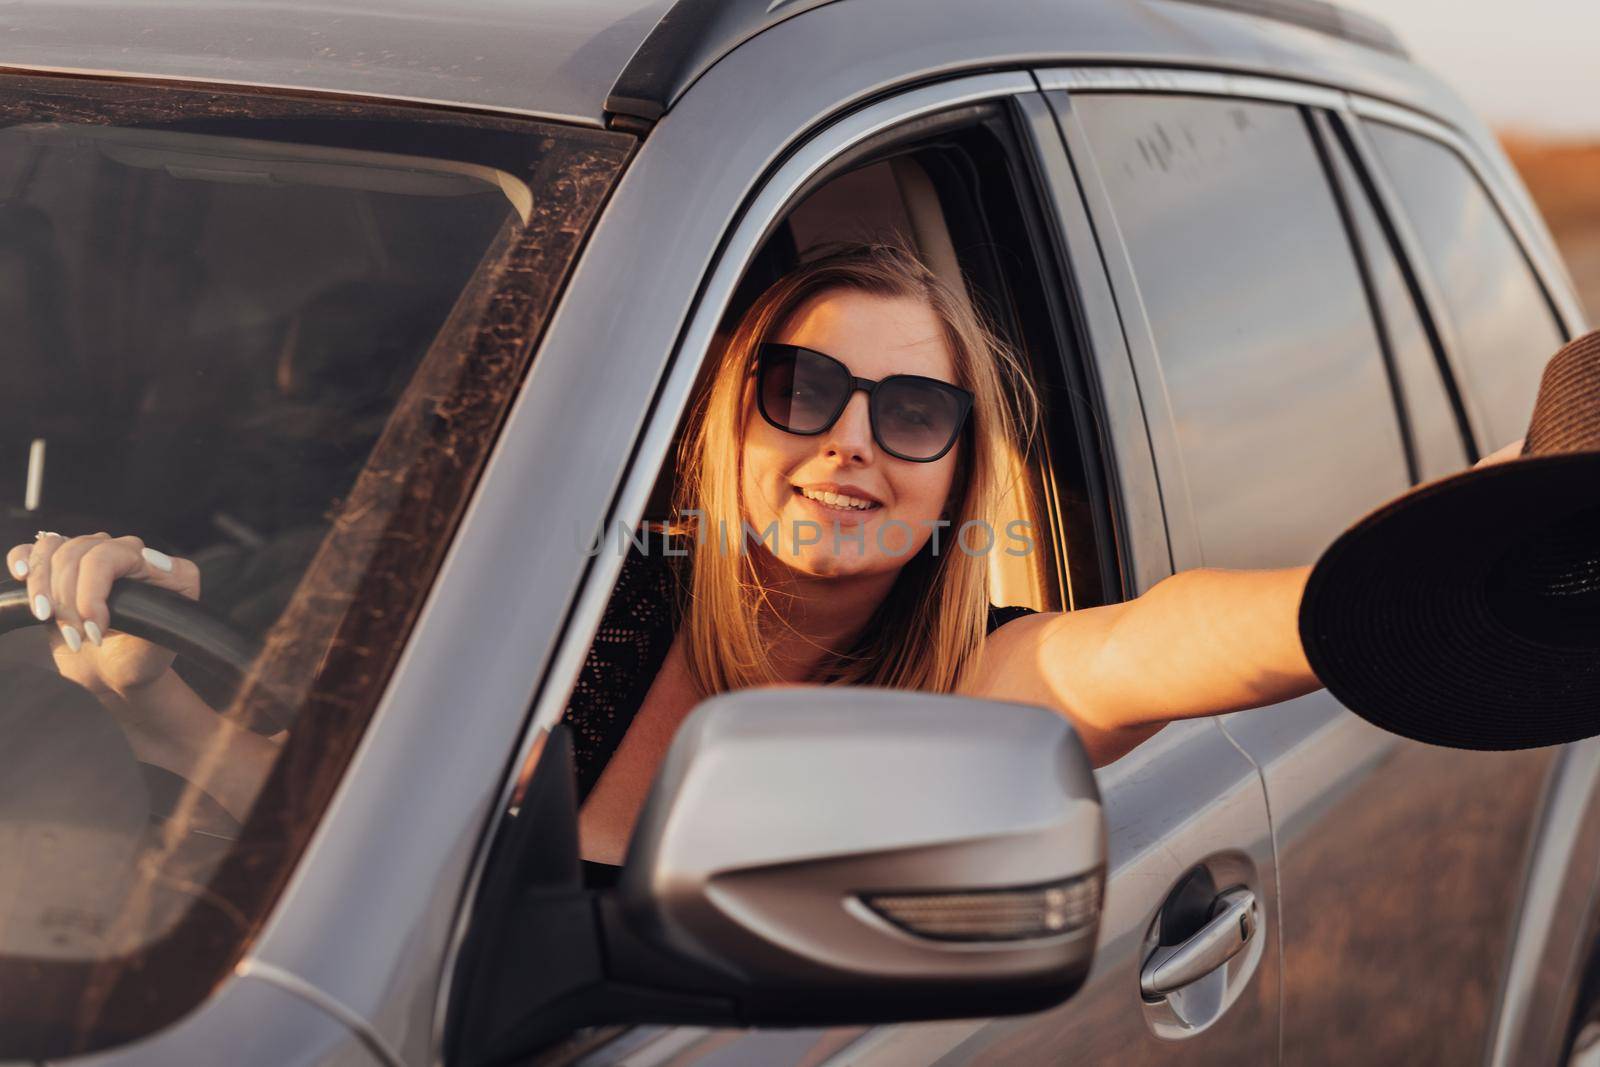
(68, 581)
(118, 614)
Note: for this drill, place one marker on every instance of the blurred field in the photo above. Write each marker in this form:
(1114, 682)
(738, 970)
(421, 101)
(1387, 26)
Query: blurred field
(1564, 177)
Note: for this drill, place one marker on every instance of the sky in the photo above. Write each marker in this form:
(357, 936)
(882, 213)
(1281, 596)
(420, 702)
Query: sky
(1523, 64)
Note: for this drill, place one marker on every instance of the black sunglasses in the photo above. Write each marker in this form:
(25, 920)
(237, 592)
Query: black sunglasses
(802, 391)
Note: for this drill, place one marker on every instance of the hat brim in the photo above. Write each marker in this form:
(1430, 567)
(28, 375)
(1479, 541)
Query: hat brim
(1400, 622)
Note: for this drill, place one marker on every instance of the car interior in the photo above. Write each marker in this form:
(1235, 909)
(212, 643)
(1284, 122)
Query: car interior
(210, 333)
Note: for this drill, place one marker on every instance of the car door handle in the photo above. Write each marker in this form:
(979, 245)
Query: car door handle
(1171, 967)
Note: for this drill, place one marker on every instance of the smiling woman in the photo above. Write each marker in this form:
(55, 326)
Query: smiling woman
(829, 454)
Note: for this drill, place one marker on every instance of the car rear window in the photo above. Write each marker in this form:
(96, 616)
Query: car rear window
(276, 336)
(1503, 328)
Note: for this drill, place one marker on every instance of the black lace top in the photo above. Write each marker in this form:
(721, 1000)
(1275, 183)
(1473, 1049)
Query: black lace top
(634, 638)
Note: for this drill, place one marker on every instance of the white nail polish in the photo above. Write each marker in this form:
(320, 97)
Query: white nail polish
(70, 634)
(159, 560)
(41, 607)
(92, 630)
(21, 569)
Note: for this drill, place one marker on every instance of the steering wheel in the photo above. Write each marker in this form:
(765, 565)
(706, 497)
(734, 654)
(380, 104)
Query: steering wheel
(165, 618)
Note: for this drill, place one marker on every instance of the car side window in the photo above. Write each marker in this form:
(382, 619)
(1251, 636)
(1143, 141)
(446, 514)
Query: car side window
(1436, 431)
(1272, 362)
(1502, 323)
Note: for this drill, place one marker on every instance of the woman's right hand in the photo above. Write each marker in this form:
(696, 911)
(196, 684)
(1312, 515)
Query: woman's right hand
(68, 581)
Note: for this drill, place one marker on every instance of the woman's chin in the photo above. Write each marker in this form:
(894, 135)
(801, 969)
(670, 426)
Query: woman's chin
(835, 543)
(825, 558)
(817, 562)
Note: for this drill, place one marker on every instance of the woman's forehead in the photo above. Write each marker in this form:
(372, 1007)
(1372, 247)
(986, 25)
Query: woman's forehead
(875, 336)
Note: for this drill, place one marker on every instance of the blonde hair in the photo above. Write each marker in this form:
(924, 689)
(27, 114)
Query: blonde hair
(936, 613)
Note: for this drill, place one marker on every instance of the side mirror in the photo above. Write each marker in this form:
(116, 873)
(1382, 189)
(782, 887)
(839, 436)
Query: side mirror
(808, 856)
(833, 855)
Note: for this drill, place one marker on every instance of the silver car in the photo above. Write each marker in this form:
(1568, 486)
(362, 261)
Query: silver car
(387, 314)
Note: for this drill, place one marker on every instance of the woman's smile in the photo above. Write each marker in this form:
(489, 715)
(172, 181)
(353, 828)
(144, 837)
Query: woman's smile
(843, 504)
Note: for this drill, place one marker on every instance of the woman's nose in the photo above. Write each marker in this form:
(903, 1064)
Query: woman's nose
(850, 437)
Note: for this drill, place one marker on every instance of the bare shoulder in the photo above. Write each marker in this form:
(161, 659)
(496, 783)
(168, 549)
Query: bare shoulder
(1029, 633)
(1053, 660)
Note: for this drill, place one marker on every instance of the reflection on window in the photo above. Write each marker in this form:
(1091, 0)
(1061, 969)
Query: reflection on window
(1271, 359)
(212, 333)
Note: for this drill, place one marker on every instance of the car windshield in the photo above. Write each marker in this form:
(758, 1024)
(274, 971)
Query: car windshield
(273, 336)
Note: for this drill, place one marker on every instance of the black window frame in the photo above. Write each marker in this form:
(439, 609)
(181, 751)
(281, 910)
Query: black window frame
(1335, 131)
(1323, 140)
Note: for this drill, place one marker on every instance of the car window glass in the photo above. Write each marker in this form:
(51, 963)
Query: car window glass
(1501, 323)
(1264, 334)
(1435, 431)
(273, 337)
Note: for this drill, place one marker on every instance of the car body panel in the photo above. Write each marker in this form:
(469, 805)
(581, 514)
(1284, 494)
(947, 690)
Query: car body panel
(559, 58)
(1556, 924)
(1399, 864)
(251, 1022)
(551, 58)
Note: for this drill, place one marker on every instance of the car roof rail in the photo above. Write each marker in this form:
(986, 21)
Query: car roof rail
(1321, 16)
(693, 34)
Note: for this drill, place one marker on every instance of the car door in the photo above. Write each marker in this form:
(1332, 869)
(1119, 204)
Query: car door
(1292, 386)
(1186, 811)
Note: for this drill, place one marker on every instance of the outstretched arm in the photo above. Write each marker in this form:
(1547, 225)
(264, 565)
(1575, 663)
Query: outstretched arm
(1201, 642)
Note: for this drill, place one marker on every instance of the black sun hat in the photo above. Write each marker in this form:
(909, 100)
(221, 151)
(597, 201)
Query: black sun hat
(1467, 612)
